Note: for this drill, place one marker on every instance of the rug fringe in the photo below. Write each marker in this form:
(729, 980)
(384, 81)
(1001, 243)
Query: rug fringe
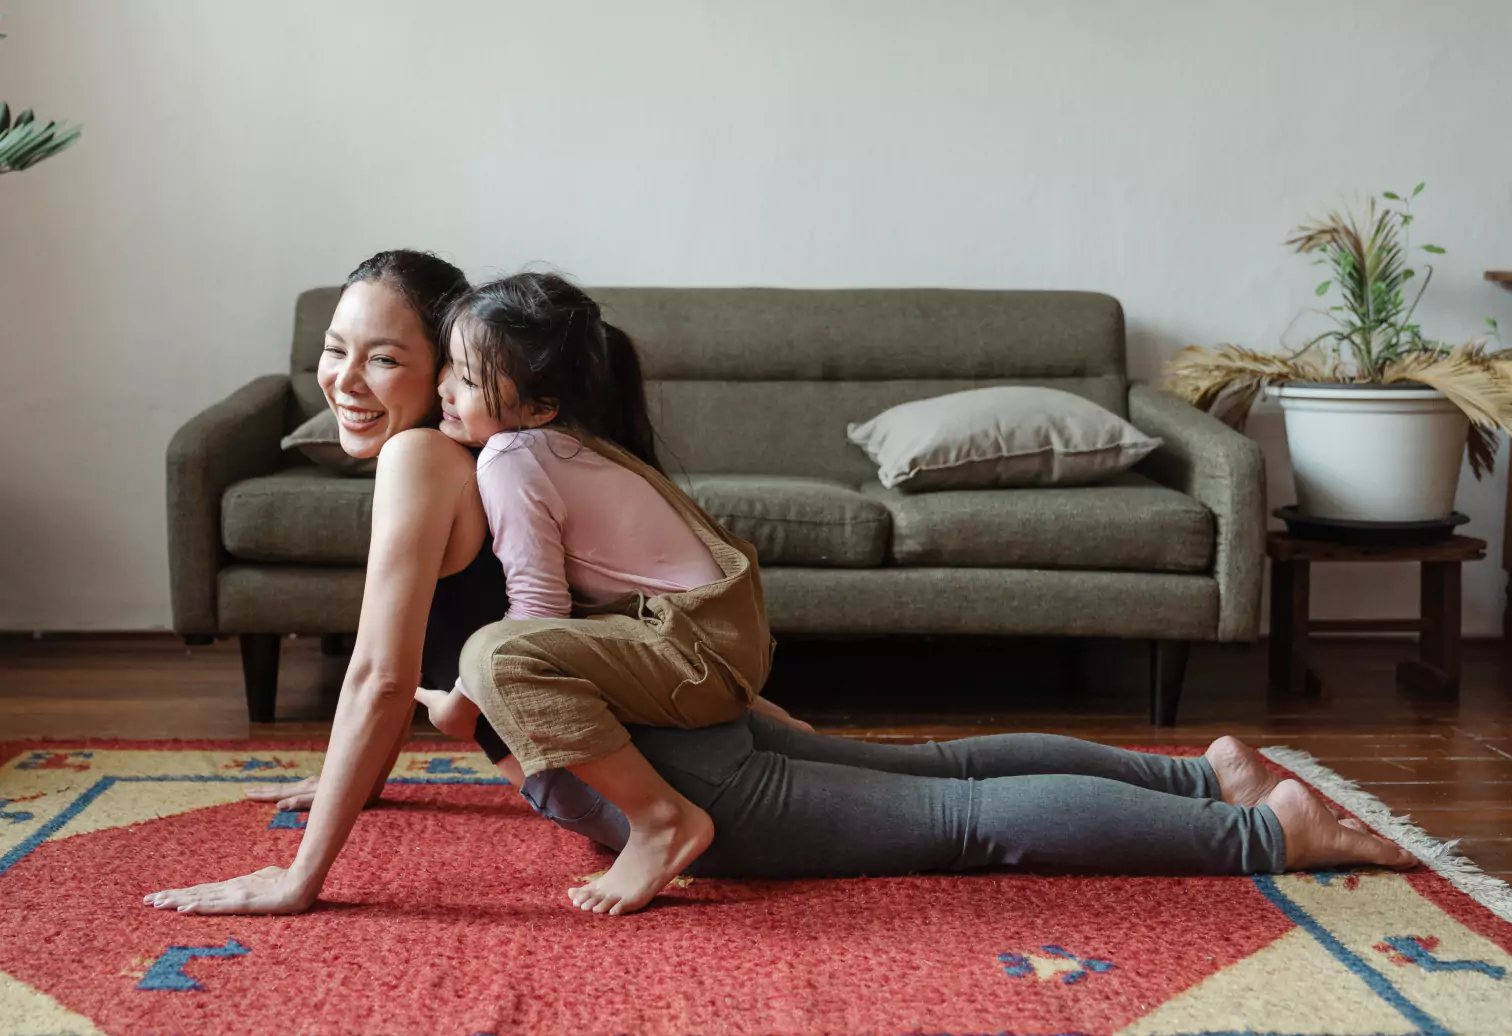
(1441, 857)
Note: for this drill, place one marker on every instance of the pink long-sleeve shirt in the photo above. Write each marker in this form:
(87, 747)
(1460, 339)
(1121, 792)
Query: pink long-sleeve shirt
(568, 520)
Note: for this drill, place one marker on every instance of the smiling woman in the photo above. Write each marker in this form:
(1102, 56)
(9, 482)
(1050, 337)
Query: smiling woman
(386, 324)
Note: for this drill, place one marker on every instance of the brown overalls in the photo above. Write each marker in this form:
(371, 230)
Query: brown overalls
(558, 691)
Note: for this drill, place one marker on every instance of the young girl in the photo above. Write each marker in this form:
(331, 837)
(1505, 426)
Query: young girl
(627, 603)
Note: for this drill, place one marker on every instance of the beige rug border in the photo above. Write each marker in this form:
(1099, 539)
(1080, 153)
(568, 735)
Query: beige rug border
(1440, 857)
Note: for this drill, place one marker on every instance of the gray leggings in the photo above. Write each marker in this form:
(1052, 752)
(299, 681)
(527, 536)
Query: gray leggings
(786, 804)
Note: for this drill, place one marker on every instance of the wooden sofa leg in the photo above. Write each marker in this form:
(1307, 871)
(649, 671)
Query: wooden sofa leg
(1168, 662)
(259, 656)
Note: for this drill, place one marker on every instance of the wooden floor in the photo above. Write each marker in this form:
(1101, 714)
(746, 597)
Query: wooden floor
(1447, 764)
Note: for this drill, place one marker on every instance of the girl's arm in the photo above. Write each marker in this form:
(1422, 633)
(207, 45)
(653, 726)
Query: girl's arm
(418, 470)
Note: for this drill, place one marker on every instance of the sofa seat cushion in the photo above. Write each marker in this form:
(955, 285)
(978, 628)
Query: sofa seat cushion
(304, 515)
(1127, 523)
(796, 521)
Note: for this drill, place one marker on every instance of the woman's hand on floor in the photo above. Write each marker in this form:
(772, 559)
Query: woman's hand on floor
(776, 712)
(297, 797)
(269, 891)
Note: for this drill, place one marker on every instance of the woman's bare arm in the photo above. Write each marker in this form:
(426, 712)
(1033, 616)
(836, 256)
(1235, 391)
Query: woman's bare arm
(419, 473)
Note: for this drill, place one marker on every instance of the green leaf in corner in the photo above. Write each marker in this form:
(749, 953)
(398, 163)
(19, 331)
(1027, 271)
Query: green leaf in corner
(1418, 189)
(4, 116)
(1491, 323)
(1407, 275)
(1323, 288)
(1407, 219)
(1393, 195)
(1435, 249)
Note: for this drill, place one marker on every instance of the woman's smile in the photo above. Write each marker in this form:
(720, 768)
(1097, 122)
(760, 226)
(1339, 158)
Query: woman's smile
(357, 419)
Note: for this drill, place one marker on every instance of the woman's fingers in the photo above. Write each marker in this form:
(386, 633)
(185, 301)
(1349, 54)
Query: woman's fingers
(299, 795)
(267, 891)
(177, 899)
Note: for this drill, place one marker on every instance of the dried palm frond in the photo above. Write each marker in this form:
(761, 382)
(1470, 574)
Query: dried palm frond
(1478, 382)
(1481, 444)
(1225, 381)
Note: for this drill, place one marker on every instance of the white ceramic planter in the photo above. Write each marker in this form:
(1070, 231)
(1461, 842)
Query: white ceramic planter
(1373, 453)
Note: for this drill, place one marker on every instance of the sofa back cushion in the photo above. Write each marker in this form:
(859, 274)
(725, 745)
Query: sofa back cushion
(764, 380)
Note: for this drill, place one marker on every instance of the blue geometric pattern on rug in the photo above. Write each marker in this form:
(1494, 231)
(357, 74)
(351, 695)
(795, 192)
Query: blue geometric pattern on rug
(167, 972)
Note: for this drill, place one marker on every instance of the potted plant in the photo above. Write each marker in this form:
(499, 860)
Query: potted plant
(24, 141)
(1376, 414)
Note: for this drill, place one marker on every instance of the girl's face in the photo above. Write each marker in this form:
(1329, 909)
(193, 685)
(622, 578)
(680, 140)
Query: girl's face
(378, 368)
(464, 412)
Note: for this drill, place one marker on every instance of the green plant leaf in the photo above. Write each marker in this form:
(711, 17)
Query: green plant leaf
(46, 147)
(25, 117)
(1323, 288)
(1491, 323)
(1407, 275)
(1435, 249)
(1418, 189)
(4, 116)
(1407, 219)
(1393, 195)
(16, 140)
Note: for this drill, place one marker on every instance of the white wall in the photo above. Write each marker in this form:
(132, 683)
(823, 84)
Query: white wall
(235, 153)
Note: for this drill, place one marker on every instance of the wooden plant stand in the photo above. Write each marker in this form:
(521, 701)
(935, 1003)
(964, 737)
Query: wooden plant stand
(1436, 670)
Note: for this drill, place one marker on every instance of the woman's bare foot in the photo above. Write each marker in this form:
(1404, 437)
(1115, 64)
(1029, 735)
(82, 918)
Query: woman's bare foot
(298, 796)
(655, 854)
(1243, 777)
(450, 712)
(1318, 840)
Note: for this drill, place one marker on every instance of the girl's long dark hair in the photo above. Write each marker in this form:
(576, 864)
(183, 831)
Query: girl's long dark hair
(547, 336)
(430, 285)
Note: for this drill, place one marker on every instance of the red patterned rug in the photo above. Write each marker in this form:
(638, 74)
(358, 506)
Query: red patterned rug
(446, 914)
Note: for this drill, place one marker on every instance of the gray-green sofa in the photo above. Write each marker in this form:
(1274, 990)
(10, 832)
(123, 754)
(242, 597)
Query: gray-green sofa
(751, 390)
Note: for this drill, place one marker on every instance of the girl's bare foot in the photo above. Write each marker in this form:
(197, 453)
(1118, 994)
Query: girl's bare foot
(1318, 840)
(655, 854)
(1242, 774)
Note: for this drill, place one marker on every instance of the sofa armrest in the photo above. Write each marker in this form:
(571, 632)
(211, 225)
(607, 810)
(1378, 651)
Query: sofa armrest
(232, 440)
(1225, 472)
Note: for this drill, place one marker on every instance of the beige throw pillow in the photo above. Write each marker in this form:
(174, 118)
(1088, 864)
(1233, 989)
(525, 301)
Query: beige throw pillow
(1010, 435)
(319, 439)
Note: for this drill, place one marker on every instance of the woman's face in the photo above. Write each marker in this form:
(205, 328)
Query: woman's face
(378, 369)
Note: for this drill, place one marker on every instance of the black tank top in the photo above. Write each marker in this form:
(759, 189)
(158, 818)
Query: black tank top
(464, 602)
